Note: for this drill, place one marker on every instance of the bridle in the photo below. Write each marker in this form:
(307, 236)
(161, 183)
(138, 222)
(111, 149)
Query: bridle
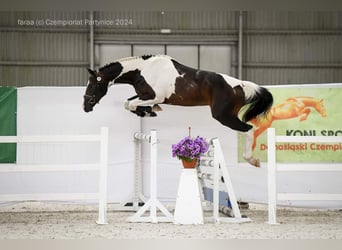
(91, 99)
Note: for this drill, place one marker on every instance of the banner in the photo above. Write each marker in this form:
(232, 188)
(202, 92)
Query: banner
(8, 111)
(301, 111)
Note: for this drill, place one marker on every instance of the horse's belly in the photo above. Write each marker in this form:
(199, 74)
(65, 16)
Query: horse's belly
(180, 100)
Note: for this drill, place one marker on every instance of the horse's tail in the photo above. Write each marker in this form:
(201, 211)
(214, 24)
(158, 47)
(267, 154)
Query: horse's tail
(258, 99)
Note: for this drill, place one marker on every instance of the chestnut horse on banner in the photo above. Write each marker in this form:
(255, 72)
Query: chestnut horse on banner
(160, 79)
(293, 107)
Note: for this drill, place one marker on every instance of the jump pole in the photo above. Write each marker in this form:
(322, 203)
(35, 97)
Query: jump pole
(153, 203)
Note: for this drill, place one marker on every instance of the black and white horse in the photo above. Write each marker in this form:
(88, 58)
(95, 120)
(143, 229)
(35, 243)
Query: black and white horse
(160, 79)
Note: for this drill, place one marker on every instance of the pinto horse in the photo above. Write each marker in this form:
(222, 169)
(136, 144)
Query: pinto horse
(160, 79)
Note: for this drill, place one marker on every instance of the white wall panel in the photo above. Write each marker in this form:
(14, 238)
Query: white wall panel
(111, 53)
(45, 111)
(185, 54)
(140, 50)
(215, 58)
(53, 111)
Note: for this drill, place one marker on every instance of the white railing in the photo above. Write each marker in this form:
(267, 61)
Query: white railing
(101, 166)
(273, 167)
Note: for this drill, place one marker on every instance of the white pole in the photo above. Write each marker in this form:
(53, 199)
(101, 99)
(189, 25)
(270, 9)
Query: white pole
(91, 41)
(240, 46)
(216, 189)
(227, 179)
(137, 174)
(271, 170)
(103, 176)
(153, 174)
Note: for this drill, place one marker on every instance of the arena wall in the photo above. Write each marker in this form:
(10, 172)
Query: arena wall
(58, 110)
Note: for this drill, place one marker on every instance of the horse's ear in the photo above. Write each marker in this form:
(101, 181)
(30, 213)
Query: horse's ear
(92, 72)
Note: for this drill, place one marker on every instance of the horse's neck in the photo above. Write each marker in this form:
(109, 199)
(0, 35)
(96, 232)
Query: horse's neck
(118, 68)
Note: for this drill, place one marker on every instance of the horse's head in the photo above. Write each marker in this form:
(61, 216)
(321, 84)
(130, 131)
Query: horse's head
(320, 108)
(97, 87)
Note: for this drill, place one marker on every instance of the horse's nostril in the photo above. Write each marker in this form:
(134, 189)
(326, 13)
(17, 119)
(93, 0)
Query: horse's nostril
(87, 109)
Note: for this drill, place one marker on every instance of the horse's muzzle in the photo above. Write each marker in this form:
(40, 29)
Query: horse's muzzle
(88, 104)
(87, 108)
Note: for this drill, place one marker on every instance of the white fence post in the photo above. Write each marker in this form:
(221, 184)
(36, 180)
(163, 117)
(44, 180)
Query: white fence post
(103, 176)
(271, 177)
(153, 173)
(273, 194)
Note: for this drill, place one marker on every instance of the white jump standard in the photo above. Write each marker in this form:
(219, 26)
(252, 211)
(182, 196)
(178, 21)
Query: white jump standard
(153, 203)
(212, 167)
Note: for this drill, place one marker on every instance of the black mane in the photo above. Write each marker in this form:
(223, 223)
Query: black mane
(107, 66)
(144, 57)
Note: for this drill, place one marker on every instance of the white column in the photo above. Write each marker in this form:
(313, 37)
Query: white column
(188, 208)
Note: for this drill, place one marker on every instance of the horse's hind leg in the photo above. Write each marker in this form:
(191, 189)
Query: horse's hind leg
(235, 123)
(132, 98)
(247, 155)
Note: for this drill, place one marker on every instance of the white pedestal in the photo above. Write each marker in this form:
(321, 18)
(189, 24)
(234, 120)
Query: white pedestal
(188, 204)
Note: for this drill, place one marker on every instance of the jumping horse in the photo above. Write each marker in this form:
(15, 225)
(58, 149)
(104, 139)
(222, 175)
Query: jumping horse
(160, 79)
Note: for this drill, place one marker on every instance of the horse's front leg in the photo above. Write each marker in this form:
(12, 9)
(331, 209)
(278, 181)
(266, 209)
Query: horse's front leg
(225, 117)
(142, 107)
(305, 113)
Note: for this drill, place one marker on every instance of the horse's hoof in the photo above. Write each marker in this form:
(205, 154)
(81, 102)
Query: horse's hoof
(156, 108)
(126, 105)
(253, 161)
(150, 114)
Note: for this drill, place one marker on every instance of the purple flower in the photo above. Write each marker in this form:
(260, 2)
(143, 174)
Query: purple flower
(189, 148)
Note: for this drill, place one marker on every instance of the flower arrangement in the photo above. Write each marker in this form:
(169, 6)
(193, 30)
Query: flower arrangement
(189, 148)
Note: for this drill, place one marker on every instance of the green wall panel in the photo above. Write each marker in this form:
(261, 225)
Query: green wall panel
(8, 123)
